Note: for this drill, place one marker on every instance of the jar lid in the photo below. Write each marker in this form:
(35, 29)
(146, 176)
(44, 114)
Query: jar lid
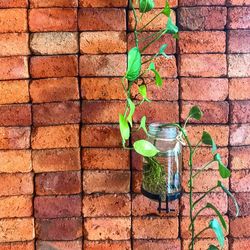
(163, 131)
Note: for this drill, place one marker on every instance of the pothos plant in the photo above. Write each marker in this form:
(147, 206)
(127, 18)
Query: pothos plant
(135, 78)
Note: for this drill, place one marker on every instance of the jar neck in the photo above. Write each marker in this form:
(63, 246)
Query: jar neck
(163, 131)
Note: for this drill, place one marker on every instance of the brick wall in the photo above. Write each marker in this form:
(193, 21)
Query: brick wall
(65, 181)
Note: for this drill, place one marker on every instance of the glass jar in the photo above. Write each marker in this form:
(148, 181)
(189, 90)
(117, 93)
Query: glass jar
(162, 173)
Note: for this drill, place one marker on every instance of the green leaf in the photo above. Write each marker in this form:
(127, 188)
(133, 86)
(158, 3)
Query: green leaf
(146, 5)
(143, 91)
(124, 128)
(213, 247)
(134, 64)
(166, 11)
(145, 148)
(131, 111)
(207, 139)
(171, 27)
(143, 124)
(215, 225)
(224, 171)
(195, 113)
(223, 223)
(158, 79)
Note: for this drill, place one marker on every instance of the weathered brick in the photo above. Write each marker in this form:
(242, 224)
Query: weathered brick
(216, 89)
(57, 206)
(239, 227)
(100, 136)
(240, 243)
(63, 136)
(109, 158)
(53, 3)
(239, 65)
(59, 229)
(159, 4)
(240, 134)
(238, 18)
(239, 88)
(204, 244)
(62, 245)
(54, 160)
(240, 112)
(103, 65)
(201, 2)
(53, 66)
(58, 183)
(14, 138)
(12, 161)
(202, 42)
(28, 245)
(101, 19)
(16, 184)
(52, 20)
(54, 43)
(239, 158)
(14, 68)
(238, 41)
(238, 2)
(202, 18)
(17, 230)
(107, 245)
(15, 115)
(15, 206)
(56, 113)
(54, 89)
(136, 181)
(243, 199)
(151, 228)
(102, 4)
(13, 20)
(103, 205)
(239, 181)
(107, 228)
(14, 44)
(106, 181)
(203, 65)
(13, 3)
(103, 42)
(157, 244)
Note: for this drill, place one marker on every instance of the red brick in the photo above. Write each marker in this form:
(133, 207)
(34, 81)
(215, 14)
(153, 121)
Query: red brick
(204, 244)
(14, 138)
(58, 183)
(202, 18)
(54, 160)
(13, 3)
(159, 3)
(101, 19)
(100, 136)
(103, 65)
(17, 230)
(243, 200)
(202, 42)
(54, 89)
(157, 244)
(14, 68)
(59, 229)
(54, 43)
(107, 228)
(53, 3)
(12, 161)
(15, 206)
(240, 243)
(62, 245)
(239, 65)
(238, 41)
(15, 115)
(13, 20)
(103, 205)
(57, 206)
(102, 89)
(110, 112)
(109, 158)
(240, 180)
(14, 44)
(240, 112)
(201, 2)
(240, 134)
(214, 112)
(206, 65)
(53, 66)
(106, 181)
(101, 4)
(239, 2)
(103, 42)
(16, 184)
(239, 88)
(239, 158)
(8, 90)
(107, 245)
(220, 134)
(64, 136)
(18, 246)
(154, 48)
(136, 181)
(216, 89)
(238, 18)
(56, 113)
(153, 228)
(52, 20)
(239, 227)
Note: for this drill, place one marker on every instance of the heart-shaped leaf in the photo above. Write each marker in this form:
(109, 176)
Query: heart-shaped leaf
(134, 64)
(166, 11)
(124, 128)
(216, 227)
(208, 140)
(146, 5)
(158, 79)
(195, 113)
(224, 171)
(131, 111)
(223, 223)
(143, 91)
(145, 148)
(171, 27)
(143, 124)
(213, 247)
